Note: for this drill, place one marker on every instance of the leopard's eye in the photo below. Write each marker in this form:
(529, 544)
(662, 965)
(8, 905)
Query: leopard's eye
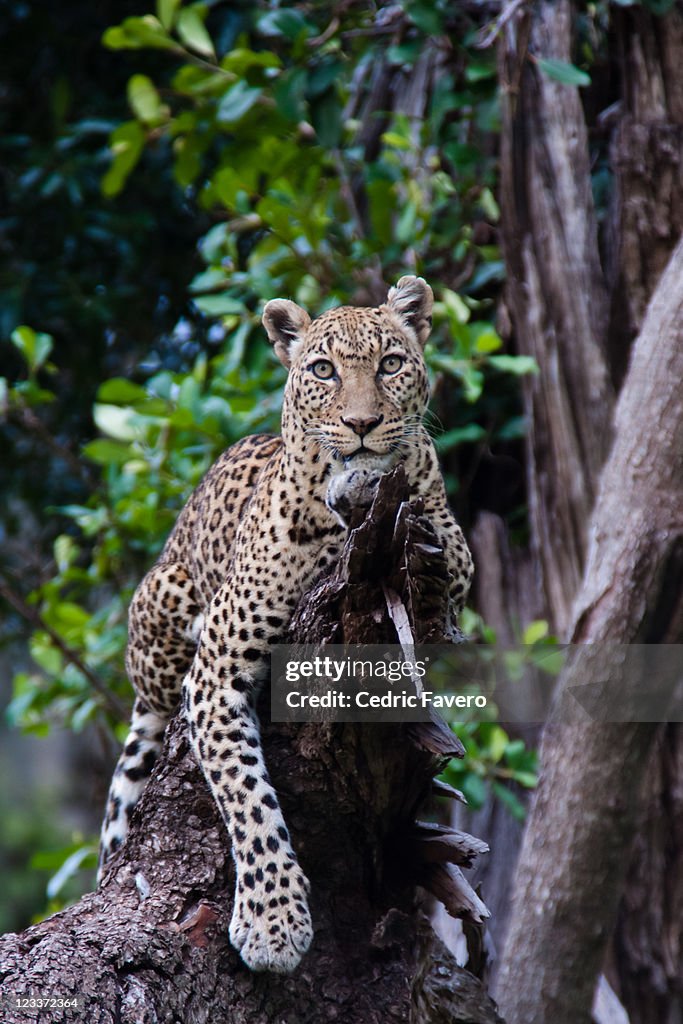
(391, 364)
(323, 369)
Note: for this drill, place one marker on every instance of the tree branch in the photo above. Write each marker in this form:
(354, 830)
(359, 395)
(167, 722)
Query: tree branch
(32, 615)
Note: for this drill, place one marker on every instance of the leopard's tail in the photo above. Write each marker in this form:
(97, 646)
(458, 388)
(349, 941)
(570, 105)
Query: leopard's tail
(132, 773)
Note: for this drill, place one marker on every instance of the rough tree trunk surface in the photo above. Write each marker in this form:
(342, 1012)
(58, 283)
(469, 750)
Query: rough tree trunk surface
(557, 299)
(572, 862)
(548, 234)
(647, 221)
(646, 155)
(152, 944)
(556, 292)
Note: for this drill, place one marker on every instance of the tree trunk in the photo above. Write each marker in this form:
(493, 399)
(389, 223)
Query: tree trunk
(152, 944)
(572, 860)
(546, 179)
(647, 949)
(557, 298)
(646, 156)
(556, 294)
(646, 222)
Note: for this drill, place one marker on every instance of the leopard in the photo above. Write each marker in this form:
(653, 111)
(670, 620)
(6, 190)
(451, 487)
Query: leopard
(268, 519)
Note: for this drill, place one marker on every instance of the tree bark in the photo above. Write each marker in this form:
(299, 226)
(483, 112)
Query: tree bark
(646, 221)
(556, 294)
(557, 298)
(572, 861)
(152, 944)
(646, 156)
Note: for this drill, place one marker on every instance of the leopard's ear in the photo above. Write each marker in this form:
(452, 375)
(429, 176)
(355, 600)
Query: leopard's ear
(411, 300)
(285, 324)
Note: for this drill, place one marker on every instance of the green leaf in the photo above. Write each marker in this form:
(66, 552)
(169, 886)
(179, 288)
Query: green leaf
(549, 661)
(381, 206)
(535, 631)
(489, 205)
(425, 16)
(485, 274)
(285, 21)
(241, 59)
(65, 551)
(480, 71)
(512, 429)
(34, 346)
(237, 101)
(519, 365)
(107, 453)
(188, 162)
(404, 53)
(290, 92)
(475, 789)
(138, 33)
(406, 224)
(323, 76)
(115, 422)
(496, 745)
(126, 145)
(189, 395)
(487, 341)
(515, 753)
(45, 655)
(122, 391)
(219, 305)
(67, 614)
(84, 714)
(191, 30)
(456, 307)
(166, 12)
(396, 140)
(527, 779)
(472, 380)
(561, 71)
(326, 114)
(144, 99)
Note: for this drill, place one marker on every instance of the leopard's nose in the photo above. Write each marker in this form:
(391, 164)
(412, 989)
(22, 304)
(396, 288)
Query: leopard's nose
(362, 425)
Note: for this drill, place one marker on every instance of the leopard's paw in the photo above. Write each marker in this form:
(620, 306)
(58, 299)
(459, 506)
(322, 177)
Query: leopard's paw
(272, 929)
(354, 485)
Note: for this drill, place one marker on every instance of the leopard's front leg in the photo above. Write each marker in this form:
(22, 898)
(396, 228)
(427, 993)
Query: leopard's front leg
(458, 558)
(271, 924)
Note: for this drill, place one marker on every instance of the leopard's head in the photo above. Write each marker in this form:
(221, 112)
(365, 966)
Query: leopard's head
(357, 384)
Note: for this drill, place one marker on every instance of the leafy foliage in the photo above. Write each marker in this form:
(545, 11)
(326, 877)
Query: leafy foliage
(493, 761)
(307, 185)
(259, 136)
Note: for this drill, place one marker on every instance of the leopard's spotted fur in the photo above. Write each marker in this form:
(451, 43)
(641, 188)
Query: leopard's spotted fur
(265, 521)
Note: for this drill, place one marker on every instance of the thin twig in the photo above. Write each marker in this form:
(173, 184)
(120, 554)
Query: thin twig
(327, 34)
(487, 37)
(32, 615)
